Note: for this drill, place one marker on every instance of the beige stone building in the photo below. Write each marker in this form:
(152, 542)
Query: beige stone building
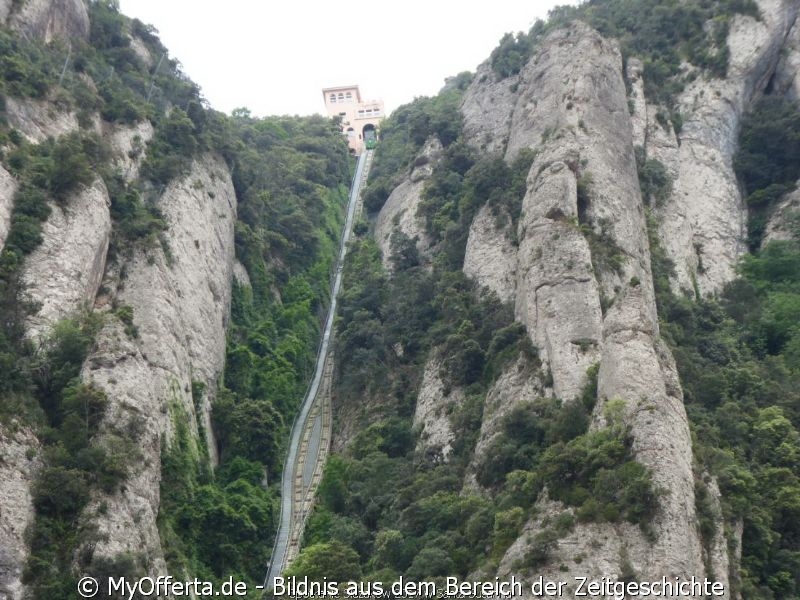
(360, 118)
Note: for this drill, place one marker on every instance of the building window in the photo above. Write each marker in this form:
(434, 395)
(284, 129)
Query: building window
(341, 96)
(333, 97)
(349, 96)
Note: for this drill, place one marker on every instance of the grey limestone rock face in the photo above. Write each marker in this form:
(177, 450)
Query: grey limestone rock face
(638, 102)
(5, 10)
(240, 274)
(431, 412)
(128, 143)
(63, 274)
(8, 187)
(487, 107)
(570, 97)
(703, 223)
(491, 255)
(38, 120)
(583, 208)
(19, 464)
(399, 213)
(787, 75)
(48, 19)
(784, 222)
(180, 301)
(589, 550)
(139, 47)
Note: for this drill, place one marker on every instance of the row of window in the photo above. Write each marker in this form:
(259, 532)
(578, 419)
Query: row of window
(369, 112)
(341, 97)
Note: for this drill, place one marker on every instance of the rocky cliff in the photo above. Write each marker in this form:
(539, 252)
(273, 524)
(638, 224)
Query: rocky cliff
(399, 213)
(702, 224)
(7, 188)
(577, 265)
(63, 274)
(46, 19)
(579, 307)
(18, 469)
(180, 299)
(169, 343)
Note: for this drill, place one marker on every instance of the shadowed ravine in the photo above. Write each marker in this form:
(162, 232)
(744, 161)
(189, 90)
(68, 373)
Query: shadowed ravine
(310, 439)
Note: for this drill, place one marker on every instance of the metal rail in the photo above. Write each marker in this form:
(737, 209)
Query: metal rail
(297, 486)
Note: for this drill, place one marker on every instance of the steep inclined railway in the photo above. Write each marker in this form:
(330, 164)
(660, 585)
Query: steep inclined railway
(311, 433)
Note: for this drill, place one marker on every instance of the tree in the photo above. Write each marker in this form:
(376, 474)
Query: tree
(334, 560)
(249, 429)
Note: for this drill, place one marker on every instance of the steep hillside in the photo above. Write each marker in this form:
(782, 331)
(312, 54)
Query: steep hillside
(567, 342)
(558, 331)
(162, 277)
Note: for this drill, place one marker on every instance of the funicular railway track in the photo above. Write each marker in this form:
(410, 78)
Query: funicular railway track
(311, 433)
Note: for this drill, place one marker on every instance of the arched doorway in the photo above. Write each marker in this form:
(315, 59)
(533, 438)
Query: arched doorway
(370, 136)
(370, 133)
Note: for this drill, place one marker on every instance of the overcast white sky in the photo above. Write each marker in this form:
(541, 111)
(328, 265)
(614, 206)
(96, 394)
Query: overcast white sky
(274, 57)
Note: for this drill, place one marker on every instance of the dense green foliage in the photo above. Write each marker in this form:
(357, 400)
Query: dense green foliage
(26, 68)
(463, 182)
(47, 171)
(740, 369)
(403, 512)
(403, 135)
(661, 33)
(75, 463)
(289, 176)
(544, 443)
(768, 160)
(654, 180)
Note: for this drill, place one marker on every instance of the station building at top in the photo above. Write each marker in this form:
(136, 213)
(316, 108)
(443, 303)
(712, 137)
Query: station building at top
(359, 118)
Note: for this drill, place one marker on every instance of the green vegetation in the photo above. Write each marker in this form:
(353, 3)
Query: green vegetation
(26, 68)
(461, 184)
(514, 51)
(404, 133)
(545, 443)
(402, 512)
(663, 33)
(739, 366)
(654, 180)
(289, 176)
(768, 161)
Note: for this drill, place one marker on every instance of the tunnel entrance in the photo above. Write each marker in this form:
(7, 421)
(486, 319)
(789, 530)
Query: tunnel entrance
(370, 133)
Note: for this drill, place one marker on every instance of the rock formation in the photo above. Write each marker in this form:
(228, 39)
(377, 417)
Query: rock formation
(702, 224)
(399, 213)
(178, 294)
(63, 274)
(8, 186)
(180, 298)
(47, 19)
(18, 467)
(578, 266)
